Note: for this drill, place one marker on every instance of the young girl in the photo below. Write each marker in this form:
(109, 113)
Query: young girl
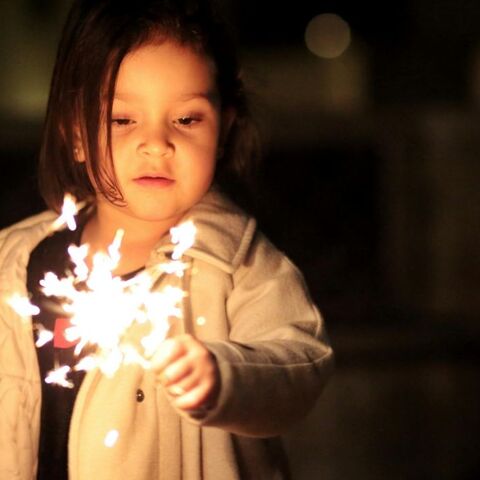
(146, 120)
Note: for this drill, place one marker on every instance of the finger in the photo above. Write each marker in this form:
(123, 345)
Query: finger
(197, 397)
(176, 371)
(189, 369)
(183, 386)
(176, 390)
(168, 351)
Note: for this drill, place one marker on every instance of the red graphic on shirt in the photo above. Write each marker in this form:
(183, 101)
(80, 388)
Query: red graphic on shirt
(59, 340)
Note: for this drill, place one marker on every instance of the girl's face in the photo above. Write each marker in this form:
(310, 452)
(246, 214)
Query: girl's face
(166, 123)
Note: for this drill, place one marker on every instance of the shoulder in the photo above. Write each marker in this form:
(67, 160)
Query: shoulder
(228, 234)
(26, 233)
(263, 261)
(28, 223)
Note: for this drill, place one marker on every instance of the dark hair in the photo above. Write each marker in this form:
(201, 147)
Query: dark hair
(96, 37)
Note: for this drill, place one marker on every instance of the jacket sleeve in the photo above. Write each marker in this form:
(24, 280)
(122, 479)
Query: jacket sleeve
(277, 359)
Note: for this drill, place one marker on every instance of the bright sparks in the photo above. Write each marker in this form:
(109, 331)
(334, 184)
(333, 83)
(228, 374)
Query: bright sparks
(23, 306)
(111, 438)
(69, 210)
(106, 312)
(120, 321)
(183, 237)
(59, 377)
(43, 335)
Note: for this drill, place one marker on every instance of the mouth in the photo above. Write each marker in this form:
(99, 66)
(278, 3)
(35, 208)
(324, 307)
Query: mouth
(157, 181)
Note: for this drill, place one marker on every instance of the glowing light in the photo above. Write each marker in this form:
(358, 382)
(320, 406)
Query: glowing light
(327, 35)
(59, 377)
(201, 321)
(78, 256)
(22, 306)
(114, 249)
(183, 237)
(111, 438)
(86, 364)
(69, 210)
(104, 310)
(123, 320)
(44, 335)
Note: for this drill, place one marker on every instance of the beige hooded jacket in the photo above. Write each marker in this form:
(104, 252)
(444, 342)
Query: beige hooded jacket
(261, 325)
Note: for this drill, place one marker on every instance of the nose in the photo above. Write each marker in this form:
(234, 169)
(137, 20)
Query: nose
(156, 143)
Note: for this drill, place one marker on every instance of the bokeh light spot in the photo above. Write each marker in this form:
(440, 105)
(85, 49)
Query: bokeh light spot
(327, 35)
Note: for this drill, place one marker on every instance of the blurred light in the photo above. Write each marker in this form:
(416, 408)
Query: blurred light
(111, 438)
(327, 35)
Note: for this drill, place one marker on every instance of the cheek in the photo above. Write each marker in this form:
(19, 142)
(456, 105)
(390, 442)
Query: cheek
(197, 164)
(121, 143)
(206, 155)
(121, 151)
(202, 148)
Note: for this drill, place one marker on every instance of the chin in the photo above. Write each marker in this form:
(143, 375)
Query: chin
(156, 214)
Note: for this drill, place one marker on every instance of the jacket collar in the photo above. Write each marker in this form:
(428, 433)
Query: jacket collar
(224, 233)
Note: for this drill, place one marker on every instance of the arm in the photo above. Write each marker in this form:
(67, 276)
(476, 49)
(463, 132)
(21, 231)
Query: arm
(275, 363)
(278, 359)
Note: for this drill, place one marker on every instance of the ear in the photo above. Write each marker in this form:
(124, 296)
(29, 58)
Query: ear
(78, 150)
(78, 153)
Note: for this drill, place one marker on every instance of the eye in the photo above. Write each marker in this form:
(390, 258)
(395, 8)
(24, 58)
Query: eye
(187, 121)
(122, 122)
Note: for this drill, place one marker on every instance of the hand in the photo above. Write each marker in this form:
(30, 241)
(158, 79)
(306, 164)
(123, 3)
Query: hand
(188, 371)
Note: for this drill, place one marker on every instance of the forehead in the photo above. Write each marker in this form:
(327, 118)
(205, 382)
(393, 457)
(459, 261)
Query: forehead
(165, 69)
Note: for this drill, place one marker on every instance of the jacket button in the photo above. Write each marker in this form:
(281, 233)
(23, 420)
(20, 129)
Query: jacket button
(140, 395)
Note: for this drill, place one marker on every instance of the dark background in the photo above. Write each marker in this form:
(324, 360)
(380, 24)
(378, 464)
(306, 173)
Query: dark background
(370, 184)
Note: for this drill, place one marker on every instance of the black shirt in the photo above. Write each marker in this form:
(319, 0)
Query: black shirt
(51, 255)
(57, 402)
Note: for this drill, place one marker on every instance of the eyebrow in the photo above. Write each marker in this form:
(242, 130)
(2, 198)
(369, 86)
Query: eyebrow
(210, 96)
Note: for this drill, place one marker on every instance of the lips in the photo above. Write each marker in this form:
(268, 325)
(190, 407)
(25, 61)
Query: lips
(155, 181)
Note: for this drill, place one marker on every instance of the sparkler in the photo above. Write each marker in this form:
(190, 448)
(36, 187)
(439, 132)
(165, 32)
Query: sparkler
(111, 438)
(123, 320)
(44, 335)
(23, 306)
(69, 210)
(59, 377)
